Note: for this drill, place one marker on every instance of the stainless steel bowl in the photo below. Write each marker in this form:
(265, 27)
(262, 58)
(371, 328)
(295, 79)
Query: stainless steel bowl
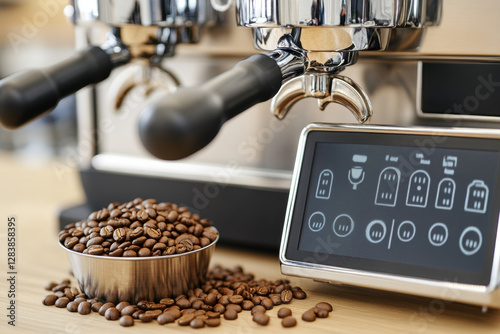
(115, 279)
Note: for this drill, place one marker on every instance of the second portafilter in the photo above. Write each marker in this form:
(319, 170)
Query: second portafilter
(145, 30)
(309, 42)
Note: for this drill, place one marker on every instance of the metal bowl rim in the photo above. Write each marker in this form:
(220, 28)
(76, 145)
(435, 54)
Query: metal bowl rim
(146, 258)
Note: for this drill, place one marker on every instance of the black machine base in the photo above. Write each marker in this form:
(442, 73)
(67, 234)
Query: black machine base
(247, 217)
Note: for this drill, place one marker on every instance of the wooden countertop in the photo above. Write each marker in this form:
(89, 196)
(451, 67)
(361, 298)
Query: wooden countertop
(34, 195)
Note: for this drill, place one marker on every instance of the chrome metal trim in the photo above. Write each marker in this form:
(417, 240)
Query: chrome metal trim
(444, 116)
(231, 174)
(328, 13)
(474, 294)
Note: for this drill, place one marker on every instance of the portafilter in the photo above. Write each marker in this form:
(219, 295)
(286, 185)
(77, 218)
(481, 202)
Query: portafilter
(137, 29)
(309, 42)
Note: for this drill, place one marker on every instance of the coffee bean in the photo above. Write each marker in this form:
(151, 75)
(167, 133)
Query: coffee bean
(320, 313)
(299, 294)
(129, 253)
(219, 308)
(112, 314)
(144, 252)
(284, 312)
(102, 214)
(167, 301)
(236, 299)
(247, 305)
(137, 232)
(139, 241)
(137, 314)
(72, 306)
(117, 252)
(84, 308)
(230, 314)
(288, 321)
(235, 307)
(286, 296)
(154, 313)
(261, 318)
(50, 285)
(186, 319)
(107, 232)
(70, 242)
(80, 300)
(153, 233)
(172, 216)
(121, 305)
(188, 311)
(258, 308)
(267, 303)
(105, 307)
(96, 306)
(309, 315)
(95, 250)
(197, 304)
(275, 298)
(79, 247)
(95, 241)
(119, 234)
(183, 303)
(62, 302)
(197, 323)
(149, 243)
(49, 300)
(165, 318)
(129, 310)
(212, 314)
(212, 322)
(126, 321)
(325, 306)
(211, 299)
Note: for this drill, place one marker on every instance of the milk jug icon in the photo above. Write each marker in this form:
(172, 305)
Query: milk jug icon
(477, 197)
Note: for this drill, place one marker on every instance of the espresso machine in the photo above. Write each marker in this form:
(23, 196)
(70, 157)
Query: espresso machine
(407, 203)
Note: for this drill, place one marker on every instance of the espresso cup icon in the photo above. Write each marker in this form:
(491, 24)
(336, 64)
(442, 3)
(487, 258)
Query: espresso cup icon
(356, 176)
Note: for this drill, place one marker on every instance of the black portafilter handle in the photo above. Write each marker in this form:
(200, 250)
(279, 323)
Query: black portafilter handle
(28, 94)
(185, 121)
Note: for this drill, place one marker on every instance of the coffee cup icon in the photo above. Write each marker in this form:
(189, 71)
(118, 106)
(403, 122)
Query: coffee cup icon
(356, 176)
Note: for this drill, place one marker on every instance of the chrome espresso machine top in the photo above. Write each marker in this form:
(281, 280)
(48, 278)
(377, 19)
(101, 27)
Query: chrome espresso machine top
(367, 205)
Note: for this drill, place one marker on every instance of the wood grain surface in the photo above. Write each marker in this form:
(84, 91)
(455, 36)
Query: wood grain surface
(34, 194)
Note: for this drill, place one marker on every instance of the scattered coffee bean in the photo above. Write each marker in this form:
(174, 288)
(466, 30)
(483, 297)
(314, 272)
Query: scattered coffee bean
(144, 317)
(49, 286)
(267, 303)
(96, 306)
(225, 292)
(186, 319)
(320, 313)
(325, 306)
(84, 308)
(284, 312)
(62, 302)
(212, 322)
(126, 321)
(258, 308)
(104, 308)
(165, 318)
(49, 300)
(261, 318)
(309, 315)
(197, 323)
(230, 314)
(299, 294)
(72, 306)
(288, 321)
(286, 296)
(120, 306)
(112, 314)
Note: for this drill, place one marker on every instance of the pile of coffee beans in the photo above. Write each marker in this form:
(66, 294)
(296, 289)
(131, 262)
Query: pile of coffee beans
(139, 228)
(224, 294)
